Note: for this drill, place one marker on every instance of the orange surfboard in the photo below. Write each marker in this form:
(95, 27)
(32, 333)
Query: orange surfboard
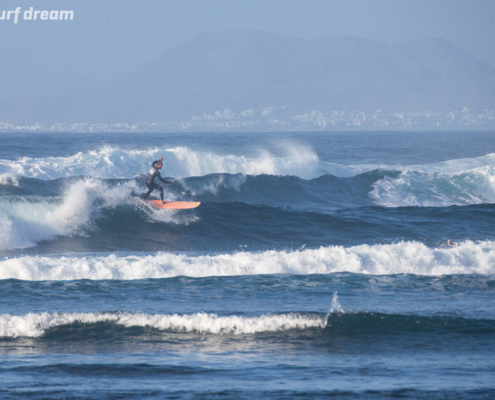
(173, 205)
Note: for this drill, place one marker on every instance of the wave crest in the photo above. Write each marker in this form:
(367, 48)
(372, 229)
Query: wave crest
(454, 182)
(34, 325)
(31, 219)
(400, 258)
(115, 163)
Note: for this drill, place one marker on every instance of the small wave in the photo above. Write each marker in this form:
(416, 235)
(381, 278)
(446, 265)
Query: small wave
(213, 183)
(454, 182)
(401, 258)
(349, 325)
(352, 324)
(324, 193)
(33, 325)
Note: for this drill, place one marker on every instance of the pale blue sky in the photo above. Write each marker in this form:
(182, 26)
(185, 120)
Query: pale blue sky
(108, 38)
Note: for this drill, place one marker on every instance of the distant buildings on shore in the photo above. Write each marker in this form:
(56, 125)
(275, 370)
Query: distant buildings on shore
(279, 119)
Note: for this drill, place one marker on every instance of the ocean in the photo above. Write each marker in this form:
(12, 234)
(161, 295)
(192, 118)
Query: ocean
(317, 266)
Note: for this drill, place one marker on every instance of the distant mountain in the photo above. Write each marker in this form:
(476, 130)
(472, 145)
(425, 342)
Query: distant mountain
(253, 71)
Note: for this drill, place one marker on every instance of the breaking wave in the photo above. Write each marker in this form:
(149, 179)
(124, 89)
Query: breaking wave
(34, 325)
(8, 179)
(179, 162)
(400, 258)
(454, 182)
(351, 325)
(24, 221)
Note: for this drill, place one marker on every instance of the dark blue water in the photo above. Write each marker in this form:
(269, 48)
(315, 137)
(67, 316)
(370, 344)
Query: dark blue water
(316, 266)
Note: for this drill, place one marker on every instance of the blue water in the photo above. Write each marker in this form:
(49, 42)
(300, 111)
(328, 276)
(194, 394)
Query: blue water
(315, 267)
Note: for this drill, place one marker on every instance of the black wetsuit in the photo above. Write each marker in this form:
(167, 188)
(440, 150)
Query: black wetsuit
(150, 180)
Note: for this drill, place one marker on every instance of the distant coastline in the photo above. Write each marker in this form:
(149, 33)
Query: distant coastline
(257, 81)
(273, 119)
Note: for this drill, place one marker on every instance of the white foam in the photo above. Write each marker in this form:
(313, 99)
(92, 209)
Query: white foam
(8, 179)
(31, 219)
(33, 325)
(9, 235)
(400, 258)
(336, 307)
(212, 183)
(108, 162)
(180, 162)
(454, 182)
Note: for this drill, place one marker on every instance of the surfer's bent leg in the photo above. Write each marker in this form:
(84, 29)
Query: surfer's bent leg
(150, 189)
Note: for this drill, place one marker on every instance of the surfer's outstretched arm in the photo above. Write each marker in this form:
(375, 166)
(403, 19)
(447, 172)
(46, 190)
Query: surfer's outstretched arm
(164, 181)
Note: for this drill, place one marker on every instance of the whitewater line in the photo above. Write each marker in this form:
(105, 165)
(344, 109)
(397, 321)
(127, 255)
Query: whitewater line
(400, 258)
(35, 325)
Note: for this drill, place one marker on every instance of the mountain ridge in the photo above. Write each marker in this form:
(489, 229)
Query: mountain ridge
(253, 70)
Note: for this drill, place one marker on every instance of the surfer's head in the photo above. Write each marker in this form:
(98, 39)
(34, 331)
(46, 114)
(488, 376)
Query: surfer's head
(159, 165)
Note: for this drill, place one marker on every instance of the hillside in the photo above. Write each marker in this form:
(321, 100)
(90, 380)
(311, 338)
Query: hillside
(253, 71)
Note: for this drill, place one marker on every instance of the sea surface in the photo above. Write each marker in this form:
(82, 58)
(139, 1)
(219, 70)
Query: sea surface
(316, 266)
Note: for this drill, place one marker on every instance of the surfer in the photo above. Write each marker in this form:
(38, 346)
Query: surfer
(150, 179)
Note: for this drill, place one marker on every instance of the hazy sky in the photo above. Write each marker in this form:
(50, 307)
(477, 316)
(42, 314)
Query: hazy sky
(107, 38)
